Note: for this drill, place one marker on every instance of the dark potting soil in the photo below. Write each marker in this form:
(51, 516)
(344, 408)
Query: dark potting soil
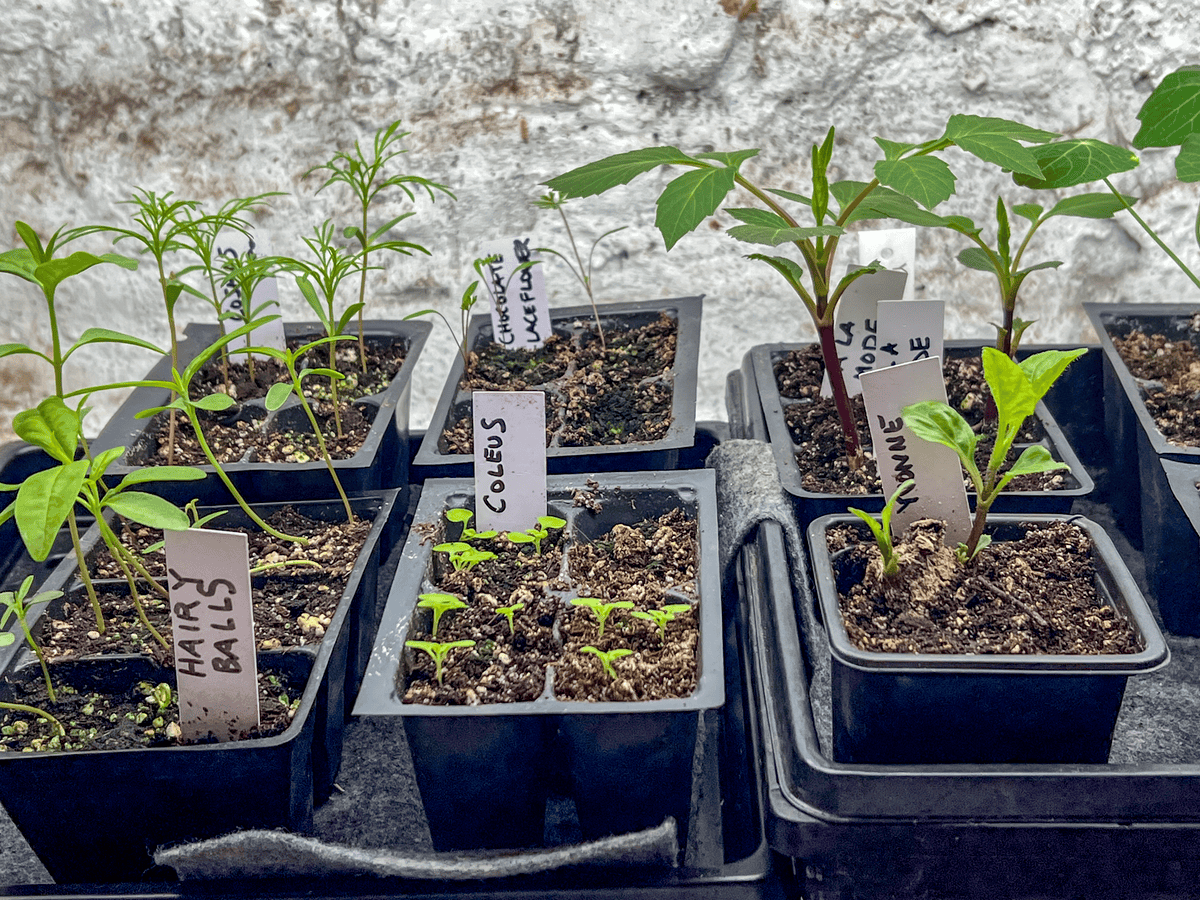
(1168, 373)
(594, 396)
(651, 564)
(816, 429)
(1034, 595)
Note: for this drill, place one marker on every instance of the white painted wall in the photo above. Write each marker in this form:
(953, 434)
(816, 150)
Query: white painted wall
(227, 97)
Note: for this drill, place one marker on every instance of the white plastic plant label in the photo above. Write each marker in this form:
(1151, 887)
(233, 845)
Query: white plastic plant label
(856, 331)
(232, 244)
(910, 330)
(895, 248)
(520, 307)
(510, 459)
(212, 620)
(939, 492)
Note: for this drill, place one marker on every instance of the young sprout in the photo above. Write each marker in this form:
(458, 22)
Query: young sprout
(440, 604)
(438, 652)
(464, 556)
(159, 696)
(601, 609)
(608, 657)
(883, 528)
(537, 533)
(16, 604)
(661, 617)
(461, 517)
(508, 612)
(6, 638)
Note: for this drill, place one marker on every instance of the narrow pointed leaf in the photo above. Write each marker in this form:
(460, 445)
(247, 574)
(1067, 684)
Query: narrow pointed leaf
(733, 159)
(1048, 264)
(600, 176)
(152, 474)
(33, 243)
(148, 509)
(753, 216)
(103, 460)
(966, 126)
(1172, 111)
(214, 402)
(108, 336)
(926, 179)
(12, 349)
(43, 503)
(689, 200)
(791, 195)
(773, 236)
(976, 258)
(892, 149)
(19, 262)
(1078, 161)
(1090, 206)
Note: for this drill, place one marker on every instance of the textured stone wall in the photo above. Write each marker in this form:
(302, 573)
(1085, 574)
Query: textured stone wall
(229, 98)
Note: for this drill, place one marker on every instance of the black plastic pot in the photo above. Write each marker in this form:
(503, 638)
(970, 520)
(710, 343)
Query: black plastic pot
(1172, 548)
(382, 461)
(811, 505)
(629, 765)
(981, 708)
(662, 454)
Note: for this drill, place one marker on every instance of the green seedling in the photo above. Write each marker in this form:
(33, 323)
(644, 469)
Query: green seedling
(554, 200)
(601, 609)
(883, 528)
(438, 652)
(464, 557)
(7, 638)
(192, 511)
(607, 658)
(462, 517)
(661, 617)
(367, 179)
(537, 533)
(1017, 388)
(159, 697)
(17, 603)
(909, 181)
(242, 276)
(440, 604)
(508, 612)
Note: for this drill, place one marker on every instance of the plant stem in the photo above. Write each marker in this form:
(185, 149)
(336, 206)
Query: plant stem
(837, 385)
(1150, 231)
(585, 278)
(362, 297)
(34, 711)
(83, 572)
(120, 554)
(41, 658)
(321, 443)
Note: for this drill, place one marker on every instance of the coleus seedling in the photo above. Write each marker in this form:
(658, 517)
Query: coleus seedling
(463, 517)
(607, 658)
(508, 612)
(440, 604)
(464, 557)
(537, 533)
(601, 609)
(438, 652)
(661, 617)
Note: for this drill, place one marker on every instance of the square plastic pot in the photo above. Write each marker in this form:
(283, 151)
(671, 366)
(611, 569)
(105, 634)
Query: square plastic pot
(381, 463)
(811, 505)
(434, 462)
(484, 771)
(1172, 548)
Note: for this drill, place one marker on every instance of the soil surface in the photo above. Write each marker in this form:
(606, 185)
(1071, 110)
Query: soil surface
(816, 429)
(1035, 595)
(1168, 373)
(621, 394)
(649, 565)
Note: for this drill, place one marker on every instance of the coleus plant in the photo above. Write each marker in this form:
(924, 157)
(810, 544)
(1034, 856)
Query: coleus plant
(909, 181)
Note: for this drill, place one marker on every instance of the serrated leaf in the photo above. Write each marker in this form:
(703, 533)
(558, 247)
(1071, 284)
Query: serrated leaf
(1078, 161)
(689, 200)
(926, 179)
(1011, 387)
(44, 502)
(1172, 111)
(773, 236)
(598, 177)
(148, 509)
(1187, 163)
(893, 149)
(976, 258)
(277, 395)
(731, 158)
(1030, 211)
(753, 216)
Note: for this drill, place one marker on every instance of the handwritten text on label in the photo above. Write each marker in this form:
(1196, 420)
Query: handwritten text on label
(520, 308)
(510, 459)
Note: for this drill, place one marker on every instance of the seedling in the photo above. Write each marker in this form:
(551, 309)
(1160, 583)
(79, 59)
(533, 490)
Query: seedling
(537, 533)
(607, 658)
(462, 517)
(601, 609)
(17, 603)
(1017, 388)
(7, 638)
(159, 697)
(508, 612)
(440, 604)
(438, 652)
(464, 557)
(908, 175)
(242, 276)
(883, 528)
(660, 617)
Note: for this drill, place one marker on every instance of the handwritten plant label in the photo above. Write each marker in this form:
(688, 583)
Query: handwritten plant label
(520, 307)
(911, 330)
(901, 455)
(208, 574)
(510, 459)
(895, 248)
(233, 244)
(857, 326)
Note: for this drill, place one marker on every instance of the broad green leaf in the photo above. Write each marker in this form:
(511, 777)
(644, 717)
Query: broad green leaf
(976, 258)
(12, 349)
(689, 200)
(733, 159)
(759, 217)
(965, 126)
(926, 179)
(892, 149)
(773, 236)
(53, 272)
(152, 474)
(147, 509)
(788, 268)
(214, 402)
(53, 426)
(1077, 161)
(1172, 111)
(103, 460)
(1187, 163)
(278, 394)
(19, 262)
(937, 422)
(1090, 206)
(996, 148)
(43, 503)
(1042, 369)
(600, 176)
(1030, 211)
(1011, 388)
(1032, 460)
(791, 195)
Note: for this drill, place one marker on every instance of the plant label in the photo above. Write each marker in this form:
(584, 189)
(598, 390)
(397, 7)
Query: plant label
(510, 459)
(901, 455)
(857, 332)
(208, 574)
(232, 244)
(520, 307)
(911, 329)
(895, 248)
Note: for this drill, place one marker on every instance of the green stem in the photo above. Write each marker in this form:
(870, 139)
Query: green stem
(1150, 231)
(586, 279)
(120, 554)
(56, 342)
(41, 657)
(83, 572)
(362, 297)
(34, 711)
(321, 443)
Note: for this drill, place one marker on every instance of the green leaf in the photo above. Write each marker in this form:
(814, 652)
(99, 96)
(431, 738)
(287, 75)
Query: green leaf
(893, 150)
(1090, 206)
(731, 159)
(1032, 460)
(600, 176)
(13, 349)
(773, 236)
(791, 195)
(103, 460)
(108, 336)
(44, 502)
(983, 127)
(53, 272)
(689, 200)
(147, 509)
(937, 422)
(1011, 387)
(1068, 163)
(976, 258)
(310, 294)
(33, 243)
(214, 402)
(1048, 264)
(991, 141)
(1030, 211)
(1042, 369)
(926, 179)
(277, 395)
(19, 262)
(53, 426)
(1187, 163)
(160, 473)
(753, 216)
(1172, 111)
(789, 269)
